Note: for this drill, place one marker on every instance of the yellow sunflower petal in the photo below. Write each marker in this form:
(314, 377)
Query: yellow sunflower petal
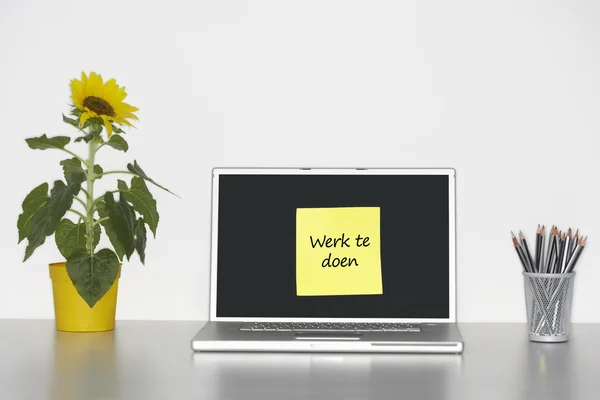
(78, 90)
(121, 94)
(92, 113)
(84, 117)
(109, 91)
(124, 108)
(75, 84)
(107, 125)
(94, 85)
(77, 93)
(128, 115)
(124, 122)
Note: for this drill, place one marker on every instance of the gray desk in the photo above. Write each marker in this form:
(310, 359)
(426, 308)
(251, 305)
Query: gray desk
(153, 360)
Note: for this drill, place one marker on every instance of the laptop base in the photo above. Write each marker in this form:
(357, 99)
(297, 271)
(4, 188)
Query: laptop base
(227, 336)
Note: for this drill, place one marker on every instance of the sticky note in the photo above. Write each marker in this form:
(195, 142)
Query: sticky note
(338, 251)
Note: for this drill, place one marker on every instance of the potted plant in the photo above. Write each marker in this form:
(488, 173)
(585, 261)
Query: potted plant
(85, 285)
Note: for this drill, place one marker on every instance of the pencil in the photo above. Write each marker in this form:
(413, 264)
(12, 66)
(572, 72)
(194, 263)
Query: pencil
(542, 247)
(538, 252)
(550, 249)
(567, 252)
(520, 253)
(526, 248)
(560, 252)
(575, 241)
(556, 260)
(576, 254)
(554, 253)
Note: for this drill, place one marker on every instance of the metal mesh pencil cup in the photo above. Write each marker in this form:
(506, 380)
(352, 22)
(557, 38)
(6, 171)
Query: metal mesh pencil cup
(548, 299)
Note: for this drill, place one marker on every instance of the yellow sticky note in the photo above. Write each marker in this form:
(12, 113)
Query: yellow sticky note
(338, 251)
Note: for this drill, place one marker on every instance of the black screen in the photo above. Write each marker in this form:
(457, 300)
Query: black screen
(256, 271)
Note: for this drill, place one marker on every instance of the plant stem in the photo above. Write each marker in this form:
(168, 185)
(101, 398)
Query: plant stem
(87, 195)
(114, 172)
(100, 220)
(80, 201)
(96, 201)
(90, 201)
(73, 154)
(81, 216)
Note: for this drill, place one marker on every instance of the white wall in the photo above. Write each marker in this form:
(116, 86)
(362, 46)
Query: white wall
(507, 92)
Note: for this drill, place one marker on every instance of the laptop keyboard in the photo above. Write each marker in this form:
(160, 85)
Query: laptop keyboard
(328, 327)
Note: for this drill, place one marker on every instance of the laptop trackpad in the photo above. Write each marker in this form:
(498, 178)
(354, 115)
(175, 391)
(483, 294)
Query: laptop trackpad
(328, 336)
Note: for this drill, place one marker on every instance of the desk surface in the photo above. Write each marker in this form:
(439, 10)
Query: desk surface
(153, 360)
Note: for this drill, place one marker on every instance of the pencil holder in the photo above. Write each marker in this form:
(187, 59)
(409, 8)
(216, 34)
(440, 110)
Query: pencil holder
(548, 298)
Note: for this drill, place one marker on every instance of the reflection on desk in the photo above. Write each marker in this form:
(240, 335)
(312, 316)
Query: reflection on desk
(84, 363)
(548, 371)
(348, 376)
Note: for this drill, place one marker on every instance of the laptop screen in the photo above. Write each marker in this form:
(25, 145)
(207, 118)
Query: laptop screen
(333, 246)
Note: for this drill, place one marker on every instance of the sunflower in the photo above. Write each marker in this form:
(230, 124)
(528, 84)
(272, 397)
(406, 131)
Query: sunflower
(96, 99)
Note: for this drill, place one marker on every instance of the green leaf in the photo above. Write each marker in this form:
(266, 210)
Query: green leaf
(96, 125)
(76, 112)
(98, 171)
(109, 230)
(142, 201)
(122, 185)
(34, 200)
(116, 129)
(140, 239)
(71, 166)
(93, 275)
(118, 143)
(46, 219)
(136, 169)
(71, 121)
(43, 142)
(122, 217)
(90, 136)
(71, 237)
(86, 123)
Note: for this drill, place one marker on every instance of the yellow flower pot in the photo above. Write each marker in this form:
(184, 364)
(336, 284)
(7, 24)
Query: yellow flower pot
(72, 312)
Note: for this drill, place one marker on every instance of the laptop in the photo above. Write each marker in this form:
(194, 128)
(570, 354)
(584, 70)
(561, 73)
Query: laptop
(332, 260)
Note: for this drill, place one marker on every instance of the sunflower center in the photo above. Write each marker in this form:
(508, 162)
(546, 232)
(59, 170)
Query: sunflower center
(99, 106)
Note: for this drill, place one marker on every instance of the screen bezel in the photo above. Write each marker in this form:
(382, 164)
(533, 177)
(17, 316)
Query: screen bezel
(217, 172)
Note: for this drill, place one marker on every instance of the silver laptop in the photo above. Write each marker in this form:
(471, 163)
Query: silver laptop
(332, 260)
